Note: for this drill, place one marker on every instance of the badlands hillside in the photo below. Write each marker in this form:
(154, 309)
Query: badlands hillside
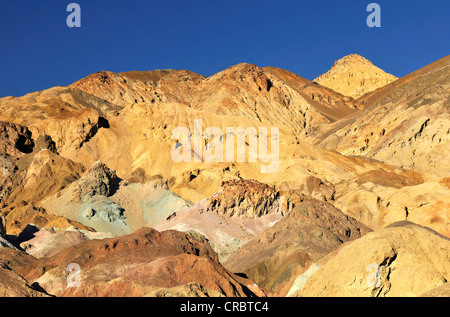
(334, 187)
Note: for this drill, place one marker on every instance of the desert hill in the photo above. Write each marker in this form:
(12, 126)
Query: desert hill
(354, 76)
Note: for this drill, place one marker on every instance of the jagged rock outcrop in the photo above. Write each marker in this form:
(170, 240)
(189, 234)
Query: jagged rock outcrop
(234, 215)
(87, 201)
(247, 198)
(15, 140)
(98, 180)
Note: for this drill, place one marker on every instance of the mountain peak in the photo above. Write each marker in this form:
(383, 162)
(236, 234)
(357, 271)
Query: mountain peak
(354, 76)
(352, 59)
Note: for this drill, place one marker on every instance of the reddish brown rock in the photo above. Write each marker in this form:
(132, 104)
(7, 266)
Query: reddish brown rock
(136, 264)
(14, 285)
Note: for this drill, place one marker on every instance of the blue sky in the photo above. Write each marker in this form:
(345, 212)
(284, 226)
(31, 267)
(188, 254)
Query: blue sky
(38, 50)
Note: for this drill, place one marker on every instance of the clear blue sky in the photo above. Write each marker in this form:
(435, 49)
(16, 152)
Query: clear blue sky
(38, 50)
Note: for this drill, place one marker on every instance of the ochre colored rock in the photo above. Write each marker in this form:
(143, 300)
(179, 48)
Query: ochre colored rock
(354, 76)
(403, 259)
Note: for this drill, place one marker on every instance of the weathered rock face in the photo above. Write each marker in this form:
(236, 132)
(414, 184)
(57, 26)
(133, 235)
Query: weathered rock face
(87, 200)
(238, 212)
(354, 76)
(311, 230)
(241, 90)
(120, 118)
(34, 176)
(137, 265)
(2, 226)
(130, 88)
(377, 206)
(72, 129)
(247, 198)
(98, 180)
(15, 140)
(28, 179)
(14, 285)
(69, 116)
(19, 216)
(402, 260)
